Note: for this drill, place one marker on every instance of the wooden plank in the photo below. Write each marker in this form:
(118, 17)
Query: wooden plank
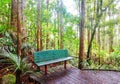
(72, 75)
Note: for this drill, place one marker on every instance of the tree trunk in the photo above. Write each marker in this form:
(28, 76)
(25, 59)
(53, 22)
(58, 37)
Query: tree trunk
(104, 42)
(54, 34)
(14, 14)
(23, 20)
(39, 33)
(88, 34)
(118, 35)
(77, 45)
(111, 32)
(99, 43)
(58, 20)
(97, 20)
(61, 25)
(47, 33)
(81, 32)
(18, 79)
(16, 24)
(18, 30)
(104, 34)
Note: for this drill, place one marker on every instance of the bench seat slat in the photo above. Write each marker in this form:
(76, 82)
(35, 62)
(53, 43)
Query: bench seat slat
(53, 61)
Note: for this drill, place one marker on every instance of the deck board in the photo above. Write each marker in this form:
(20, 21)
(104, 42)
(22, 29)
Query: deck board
(73, 75)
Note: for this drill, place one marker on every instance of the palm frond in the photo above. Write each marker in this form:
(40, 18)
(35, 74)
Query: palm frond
(17, 63)
(11, 58)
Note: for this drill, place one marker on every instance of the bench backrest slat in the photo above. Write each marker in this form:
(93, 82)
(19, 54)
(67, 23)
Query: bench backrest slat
(47, 55)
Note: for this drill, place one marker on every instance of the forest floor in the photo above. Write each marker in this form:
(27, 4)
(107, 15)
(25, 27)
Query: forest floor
(72, 75)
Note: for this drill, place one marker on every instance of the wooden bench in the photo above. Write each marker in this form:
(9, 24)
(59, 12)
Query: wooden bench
(43, 58)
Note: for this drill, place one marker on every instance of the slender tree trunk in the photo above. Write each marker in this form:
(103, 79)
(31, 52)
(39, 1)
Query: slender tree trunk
(98, 16)
(119, 35)
(55, 27)
(47, 33)
(99, 43)
(103, 39)
(18, 30)
(23, 20)
(14, 14)
(92, 37)
(103, 46)
(77, 45)
(81, 32)
(58, 20)
(47, 40)
(78, 31)
(61, 25)
(54, 34)
(111, 44)
(104, 34)
(88, 35)
(39, 33)
(111, 32)
(18, 72)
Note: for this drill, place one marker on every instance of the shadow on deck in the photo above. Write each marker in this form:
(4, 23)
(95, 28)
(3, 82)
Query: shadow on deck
(73, 75)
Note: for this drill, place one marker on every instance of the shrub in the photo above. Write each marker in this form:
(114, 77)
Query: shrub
(8, 79)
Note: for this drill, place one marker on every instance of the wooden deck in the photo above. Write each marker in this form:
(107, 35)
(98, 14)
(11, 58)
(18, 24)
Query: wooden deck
(73, 75)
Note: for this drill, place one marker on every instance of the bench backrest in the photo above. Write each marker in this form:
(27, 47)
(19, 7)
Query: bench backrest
(47, 55)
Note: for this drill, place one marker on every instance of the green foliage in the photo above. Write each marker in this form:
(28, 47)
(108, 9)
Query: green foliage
(50, 24)
(4, 15)
(8, 79)
(7, 42)
(116, 55)
(18, 63)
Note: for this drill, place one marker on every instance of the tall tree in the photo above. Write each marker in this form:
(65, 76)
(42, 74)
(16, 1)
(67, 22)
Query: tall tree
(18, 72)
(23, 20)
(55, 29)
(58, 22)
(14, 14)
(111, 28)
(18, 30)
(99, 43)
(98, 16)
(22, 12)
(61, 24)
(81, 33)
(99, 12)
(47, 33)
(39, 29)
(103, 39)
(18, 20)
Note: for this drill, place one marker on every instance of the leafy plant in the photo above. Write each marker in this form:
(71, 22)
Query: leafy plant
(18, 65)
(6, 41)
(115, 55)
(8, 79)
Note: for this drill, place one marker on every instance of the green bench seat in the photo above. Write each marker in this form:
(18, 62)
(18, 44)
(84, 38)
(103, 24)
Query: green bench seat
(46, 57)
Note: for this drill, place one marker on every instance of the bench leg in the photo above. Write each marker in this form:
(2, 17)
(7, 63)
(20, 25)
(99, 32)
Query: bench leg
(46, 69)
(65, 62)
(38, 68)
